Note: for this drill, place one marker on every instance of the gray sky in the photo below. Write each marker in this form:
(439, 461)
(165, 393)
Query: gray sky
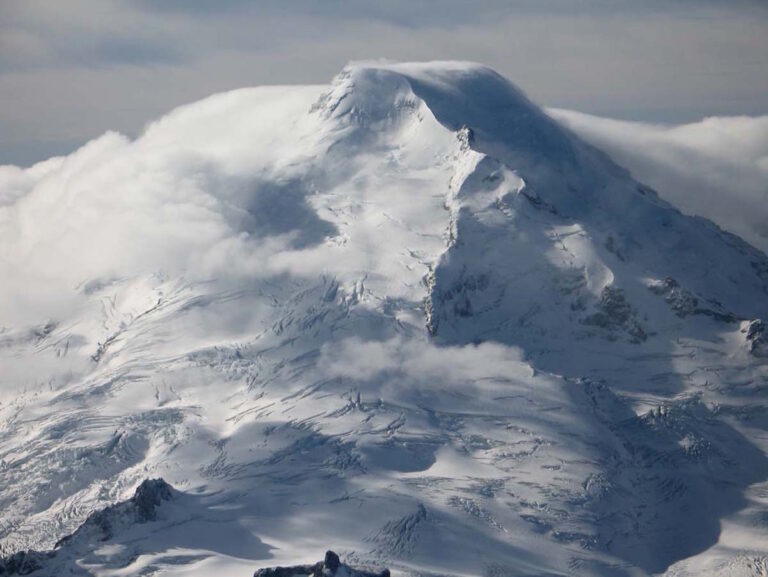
(71, 69)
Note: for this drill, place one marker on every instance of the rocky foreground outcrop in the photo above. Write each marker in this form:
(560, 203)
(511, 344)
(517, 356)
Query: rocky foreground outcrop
(331, 565)
(98, 527)
(141, 508)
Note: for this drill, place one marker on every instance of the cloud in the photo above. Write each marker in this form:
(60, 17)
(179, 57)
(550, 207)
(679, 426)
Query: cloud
(716, 168)
(117, 64)
(365, 360)
(187, 199)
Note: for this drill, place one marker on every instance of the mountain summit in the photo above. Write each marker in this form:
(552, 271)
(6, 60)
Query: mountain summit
(407, 316)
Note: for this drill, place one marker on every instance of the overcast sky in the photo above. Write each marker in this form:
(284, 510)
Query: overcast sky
(71, 69)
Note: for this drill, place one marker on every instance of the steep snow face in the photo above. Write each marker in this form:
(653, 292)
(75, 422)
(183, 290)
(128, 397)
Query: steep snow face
(405, 316)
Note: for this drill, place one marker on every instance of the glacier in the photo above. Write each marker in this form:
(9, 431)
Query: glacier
(406, 316)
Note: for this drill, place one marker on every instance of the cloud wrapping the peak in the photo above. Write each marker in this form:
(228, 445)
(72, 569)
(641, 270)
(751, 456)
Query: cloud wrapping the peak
(716, 168)
(186, 199)
(219, 189)
(115, 64)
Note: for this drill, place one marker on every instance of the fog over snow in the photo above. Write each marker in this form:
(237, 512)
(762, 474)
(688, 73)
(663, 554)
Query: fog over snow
(154, 206)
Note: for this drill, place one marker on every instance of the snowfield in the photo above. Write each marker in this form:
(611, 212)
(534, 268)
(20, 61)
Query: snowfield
(407, 317)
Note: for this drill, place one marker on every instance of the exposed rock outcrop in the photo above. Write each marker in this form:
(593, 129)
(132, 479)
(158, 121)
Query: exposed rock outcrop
(141, 508)
(615, 312)
(757, 338)
(23, 562)
(99, 526)
(331, 565)
(684, 303)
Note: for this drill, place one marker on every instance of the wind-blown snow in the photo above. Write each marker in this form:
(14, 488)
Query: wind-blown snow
(406, 316)
(716, 168)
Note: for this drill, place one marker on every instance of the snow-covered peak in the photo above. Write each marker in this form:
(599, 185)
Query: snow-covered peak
(457, 94)
(408, 311)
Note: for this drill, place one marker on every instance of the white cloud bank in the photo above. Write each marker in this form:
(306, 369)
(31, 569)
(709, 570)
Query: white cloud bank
(716, 168)
(182, 200)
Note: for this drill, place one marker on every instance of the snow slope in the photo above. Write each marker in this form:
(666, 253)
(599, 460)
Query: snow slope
(407, 317)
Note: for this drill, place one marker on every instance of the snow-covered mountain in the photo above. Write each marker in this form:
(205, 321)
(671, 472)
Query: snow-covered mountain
(407, 317)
